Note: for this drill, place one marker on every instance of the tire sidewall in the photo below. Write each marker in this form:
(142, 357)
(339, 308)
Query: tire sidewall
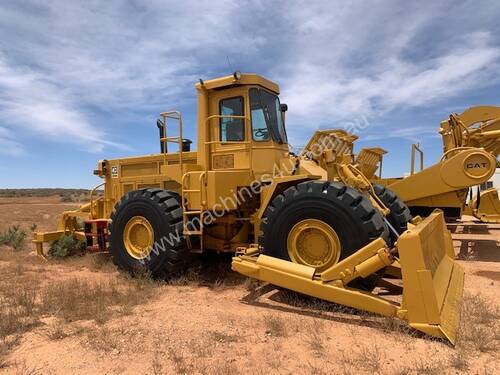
(348, 212)
(350, 232)
(145, 207)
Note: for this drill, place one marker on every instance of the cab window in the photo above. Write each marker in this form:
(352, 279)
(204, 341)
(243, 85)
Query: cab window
(232, 129)
(266, 117)
(259, 125)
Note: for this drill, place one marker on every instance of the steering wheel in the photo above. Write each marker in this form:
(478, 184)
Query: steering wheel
(261, 133)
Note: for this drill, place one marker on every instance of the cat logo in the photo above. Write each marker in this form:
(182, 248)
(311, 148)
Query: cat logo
(114, 172)
(476, 165)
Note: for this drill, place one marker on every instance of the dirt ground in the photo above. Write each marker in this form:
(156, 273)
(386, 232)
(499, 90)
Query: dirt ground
(81, 316)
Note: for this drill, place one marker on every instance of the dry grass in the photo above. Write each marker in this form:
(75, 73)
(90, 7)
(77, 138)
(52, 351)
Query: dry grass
(275, 325)
(372, 358)
(369, 358)
(182, 363)
(102, 339)
(22, 368)
(318, 369)
(222, 337)
(6, 345)
(56, 332)
(223, 368)
(394, 326)
(315, 337)
(98, 261)
(429, 366)
(16, 311)
(202, 347)
(187, 277)
(195, 357)
(157, 367)
(78, 299)
(27, 298)
(459, 360)
(479, 326)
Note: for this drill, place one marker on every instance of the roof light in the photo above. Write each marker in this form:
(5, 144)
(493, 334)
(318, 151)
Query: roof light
(237, 75)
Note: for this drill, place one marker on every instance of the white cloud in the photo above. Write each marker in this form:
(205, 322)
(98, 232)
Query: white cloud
(358, 59)
(7, 145)
(66, 64)
(411, 133)
(29, 102)
(66, 68)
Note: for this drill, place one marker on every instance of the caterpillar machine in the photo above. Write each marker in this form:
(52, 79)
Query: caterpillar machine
(485, 206)
(311, 223)
(471, 144)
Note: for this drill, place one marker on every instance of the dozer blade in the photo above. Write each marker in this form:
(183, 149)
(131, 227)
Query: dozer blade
(432, 280)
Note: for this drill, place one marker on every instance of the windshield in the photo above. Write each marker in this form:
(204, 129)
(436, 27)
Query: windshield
(267, 121)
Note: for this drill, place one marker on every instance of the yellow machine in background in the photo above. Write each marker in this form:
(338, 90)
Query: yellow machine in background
(485, 206)
(311, 222)
(471, 142)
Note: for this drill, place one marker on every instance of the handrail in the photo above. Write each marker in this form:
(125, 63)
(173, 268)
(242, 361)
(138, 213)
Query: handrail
(175, 115)
(445, 155)
(92, 198)
(416, 148)
(202, 190)
(201, 182)
(208, 143)
(228, 142)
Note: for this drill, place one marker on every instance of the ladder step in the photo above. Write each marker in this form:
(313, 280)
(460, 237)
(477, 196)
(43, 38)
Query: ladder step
(193, 232)
(192, 212)
(191, 190)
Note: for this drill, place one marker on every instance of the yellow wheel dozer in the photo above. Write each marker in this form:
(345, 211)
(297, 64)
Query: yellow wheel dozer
(432, 280)
(322, 228)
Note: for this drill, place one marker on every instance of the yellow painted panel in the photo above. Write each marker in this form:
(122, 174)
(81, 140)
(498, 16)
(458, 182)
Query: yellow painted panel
(142, 169)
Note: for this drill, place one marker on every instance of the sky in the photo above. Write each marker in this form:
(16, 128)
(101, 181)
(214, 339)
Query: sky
(85, 80)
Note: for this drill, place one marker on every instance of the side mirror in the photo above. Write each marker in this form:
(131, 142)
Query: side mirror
(283, 107)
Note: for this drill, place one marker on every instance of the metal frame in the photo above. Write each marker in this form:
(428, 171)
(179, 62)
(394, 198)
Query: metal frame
(415, 147)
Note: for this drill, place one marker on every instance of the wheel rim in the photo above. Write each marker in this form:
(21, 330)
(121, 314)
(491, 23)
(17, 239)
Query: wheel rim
(138, 237)
(314, 243)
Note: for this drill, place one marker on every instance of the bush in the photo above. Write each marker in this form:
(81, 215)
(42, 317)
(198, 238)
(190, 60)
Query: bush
(13, 237)
(67, 198)
(67, 245)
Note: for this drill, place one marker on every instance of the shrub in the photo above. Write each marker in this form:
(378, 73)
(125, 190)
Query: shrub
(66, 198)
(65, 246)
(13, 237)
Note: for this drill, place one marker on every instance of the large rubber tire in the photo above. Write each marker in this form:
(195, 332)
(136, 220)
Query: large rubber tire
(400, 214)
(163, 211)
(349, 213)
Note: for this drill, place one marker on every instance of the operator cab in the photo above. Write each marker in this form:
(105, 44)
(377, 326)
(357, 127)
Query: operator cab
(243, 126)
(265, 117)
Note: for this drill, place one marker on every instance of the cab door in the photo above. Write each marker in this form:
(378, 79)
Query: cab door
(229, 138)
(269, 156)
